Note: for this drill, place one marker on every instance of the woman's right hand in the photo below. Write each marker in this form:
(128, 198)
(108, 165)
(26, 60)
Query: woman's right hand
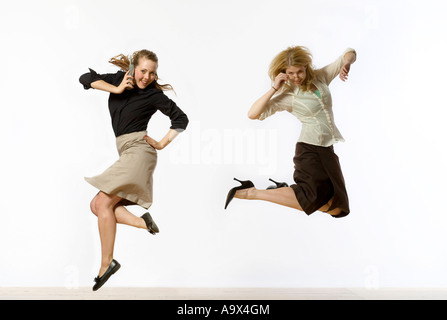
(280, 79)
(126, 83)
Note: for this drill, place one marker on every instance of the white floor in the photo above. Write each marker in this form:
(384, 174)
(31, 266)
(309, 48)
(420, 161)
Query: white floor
(118, 293)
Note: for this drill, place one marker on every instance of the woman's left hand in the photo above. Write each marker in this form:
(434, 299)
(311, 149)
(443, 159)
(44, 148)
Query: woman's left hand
(345, 71)
(157, 145)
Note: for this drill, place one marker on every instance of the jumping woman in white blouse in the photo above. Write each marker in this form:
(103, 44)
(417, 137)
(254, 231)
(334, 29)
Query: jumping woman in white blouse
(304, 92)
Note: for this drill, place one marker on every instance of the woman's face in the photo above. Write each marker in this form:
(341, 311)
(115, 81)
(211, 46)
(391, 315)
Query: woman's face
(296, 74)
(145, 72)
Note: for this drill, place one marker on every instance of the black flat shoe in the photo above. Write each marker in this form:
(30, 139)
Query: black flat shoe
(277, 185)
(113, 267)
(244, 185)
(150, 224)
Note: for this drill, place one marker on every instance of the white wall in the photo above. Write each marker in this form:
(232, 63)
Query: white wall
(392, 113)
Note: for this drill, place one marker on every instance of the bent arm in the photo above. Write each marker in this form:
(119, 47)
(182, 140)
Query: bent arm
(259, 106)
(262, 103)
(111, 82)
(163, 143)
(104, 86)
(179, 121)
(336, 68)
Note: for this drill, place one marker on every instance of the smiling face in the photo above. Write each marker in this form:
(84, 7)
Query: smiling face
(296, 74)
(145, 72)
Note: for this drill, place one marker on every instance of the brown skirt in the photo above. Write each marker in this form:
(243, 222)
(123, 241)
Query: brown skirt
(319, 178)
(130, 177)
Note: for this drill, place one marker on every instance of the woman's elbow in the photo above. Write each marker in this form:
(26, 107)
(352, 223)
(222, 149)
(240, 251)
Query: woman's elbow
(253, 116)
(85, 80)
(185, 121)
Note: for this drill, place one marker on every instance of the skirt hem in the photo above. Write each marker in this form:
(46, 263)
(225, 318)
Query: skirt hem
(127, 199)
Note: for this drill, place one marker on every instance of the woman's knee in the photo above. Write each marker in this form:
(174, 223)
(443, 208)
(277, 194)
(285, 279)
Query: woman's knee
(104, 203)
(99, 203)
(93, 206)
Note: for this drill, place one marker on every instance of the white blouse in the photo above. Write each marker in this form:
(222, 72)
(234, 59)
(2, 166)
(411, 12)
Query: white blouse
(315, 114)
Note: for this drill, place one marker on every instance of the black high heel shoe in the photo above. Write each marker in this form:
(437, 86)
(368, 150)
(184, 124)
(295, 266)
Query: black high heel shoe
(150, 224)
(99, 281)
(277, 185)
(244, 185)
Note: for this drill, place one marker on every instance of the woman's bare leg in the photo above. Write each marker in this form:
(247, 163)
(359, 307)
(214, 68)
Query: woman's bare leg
(284, 196)
(103, 207)
(126, 217)
(122, 215)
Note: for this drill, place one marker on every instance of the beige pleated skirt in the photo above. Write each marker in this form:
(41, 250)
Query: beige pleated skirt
(130, 177)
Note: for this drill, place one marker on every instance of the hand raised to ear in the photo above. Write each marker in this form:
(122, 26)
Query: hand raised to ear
(126, 83)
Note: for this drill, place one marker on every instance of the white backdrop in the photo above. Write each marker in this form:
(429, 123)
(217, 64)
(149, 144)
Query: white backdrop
(216, 54)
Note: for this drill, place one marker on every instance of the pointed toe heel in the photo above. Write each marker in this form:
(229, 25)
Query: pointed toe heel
(244, 185)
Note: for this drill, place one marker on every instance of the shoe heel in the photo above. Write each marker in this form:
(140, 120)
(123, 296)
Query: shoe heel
(244, 185)
(118, 266)
(112, 269)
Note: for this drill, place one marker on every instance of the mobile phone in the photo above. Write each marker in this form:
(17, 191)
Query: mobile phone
(131, 73)
(131, 70)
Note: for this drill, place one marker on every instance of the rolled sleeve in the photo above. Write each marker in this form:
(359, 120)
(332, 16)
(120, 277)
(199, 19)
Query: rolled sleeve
(88, 78)
(282, 102)
(179, 120)
(329, 72)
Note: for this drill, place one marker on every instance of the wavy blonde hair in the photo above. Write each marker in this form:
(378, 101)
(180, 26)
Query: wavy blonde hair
(293, 56)
(123, 62)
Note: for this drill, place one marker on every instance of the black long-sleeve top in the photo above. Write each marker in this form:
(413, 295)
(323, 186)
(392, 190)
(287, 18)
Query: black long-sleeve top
(132, 109)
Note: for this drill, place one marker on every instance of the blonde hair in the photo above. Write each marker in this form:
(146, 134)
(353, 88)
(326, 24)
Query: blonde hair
(293, 56)
(124, 62)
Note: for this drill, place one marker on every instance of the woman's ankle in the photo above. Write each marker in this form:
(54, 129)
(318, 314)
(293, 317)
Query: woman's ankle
(248, 194)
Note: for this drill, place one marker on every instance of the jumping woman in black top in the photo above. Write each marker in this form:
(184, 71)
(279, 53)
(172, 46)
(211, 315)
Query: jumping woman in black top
(132, 102)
